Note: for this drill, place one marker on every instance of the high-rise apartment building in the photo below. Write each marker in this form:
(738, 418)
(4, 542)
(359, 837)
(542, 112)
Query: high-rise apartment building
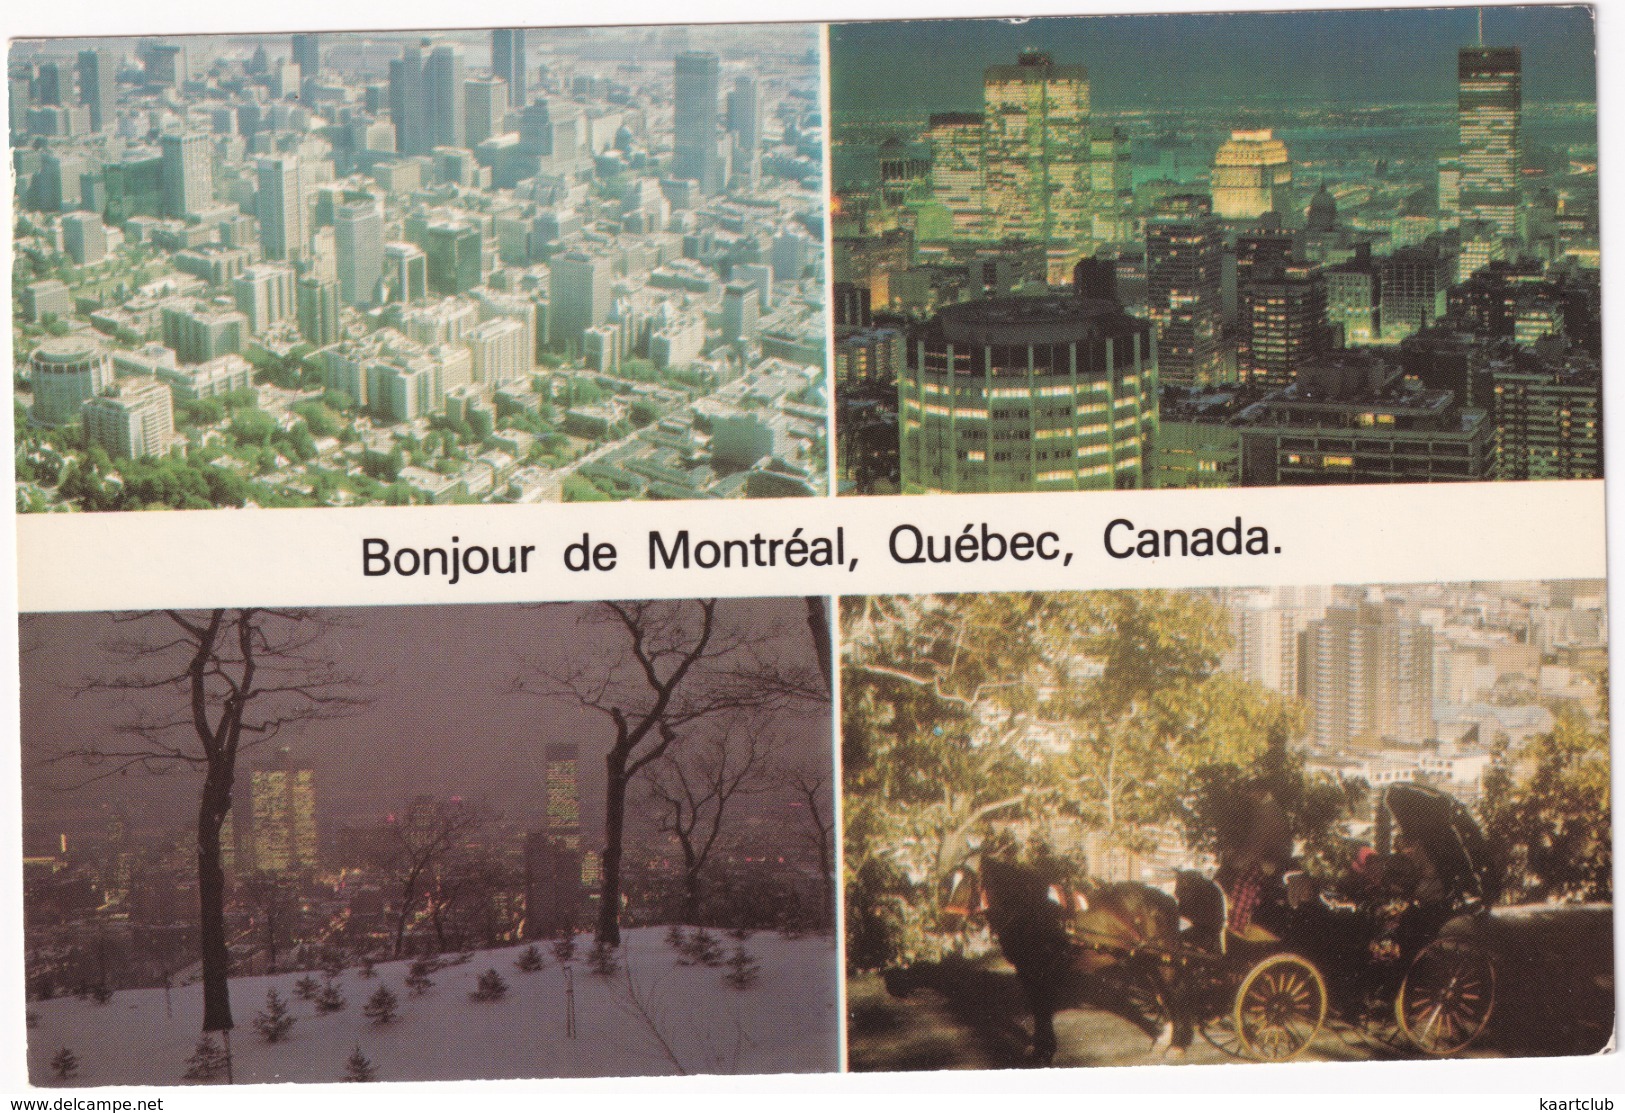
(508, 62)
(135, 418)
(318, 310)
(696, 151)
(1036, 148)
(1490, 116)
(1366, 673)
(1184, 269)
(265, 295)
(280, 202)
(1549, 421)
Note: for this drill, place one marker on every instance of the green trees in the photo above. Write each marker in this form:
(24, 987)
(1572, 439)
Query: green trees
(978, 719)
(1546, 809)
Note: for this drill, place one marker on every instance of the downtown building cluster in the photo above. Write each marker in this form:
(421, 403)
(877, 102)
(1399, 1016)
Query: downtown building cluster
(347, 272)
(1298, 321)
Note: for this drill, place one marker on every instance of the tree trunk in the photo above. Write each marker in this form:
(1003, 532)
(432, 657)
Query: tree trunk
(609, 892)
(211, 889)
(818, 623)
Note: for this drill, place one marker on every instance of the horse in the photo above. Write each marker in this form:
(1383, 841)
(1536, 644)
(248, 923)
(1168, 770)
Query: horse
(1048, 931)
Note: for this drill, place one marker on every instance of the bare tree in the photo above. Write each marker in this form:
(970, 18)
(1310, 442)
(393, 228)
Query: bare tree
(693, 787)
(813, 790)
(419, 840)
(677, 664)
(241, 678)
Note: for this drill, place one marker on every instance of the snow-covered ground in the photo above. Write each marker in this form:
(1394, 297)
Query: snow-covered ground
(785, 1022)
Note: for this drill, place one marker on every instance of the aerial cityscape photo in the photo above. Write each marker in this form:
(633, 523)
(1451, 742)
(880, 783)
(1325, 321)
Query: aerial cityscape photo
(1251, 824)
(381, 268)
(565, 841)
(1246, 249)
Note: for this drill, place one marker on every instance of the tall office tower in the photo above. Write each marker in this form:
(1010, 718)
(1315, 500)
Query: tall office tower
(1367, 674)
(1036, 149)
(265, 295)
(1549, 421)
(563, 788)
(745, 126)
(318, 308)
(358, 235)
(1490, 114)
(1450, 189)
(406, 274)
(739, 312)
(508, 62)
(188, 174)
(135, 418)
(283, 803)
(307, 55)
(96, 79)
(409, 99)
(696, 136)
(64, 374)
(958, 179)
(53, 84)
(1252, 175)
(1053, 393)
(443, 80)
(578, 297)
(280, 203)
(553, 857)
(1184, 263)
(486, 103)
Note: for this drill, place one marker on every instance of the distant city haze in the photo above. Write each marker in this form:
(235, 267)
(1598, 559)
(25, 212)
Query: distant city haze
(445, 721)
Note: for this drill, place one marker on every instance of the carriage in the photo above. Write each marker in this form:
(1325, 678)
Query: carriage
(1386, 959)
(1385, 954)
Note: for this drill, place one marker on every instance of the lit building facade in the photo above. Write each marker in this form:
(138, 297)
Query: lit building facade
(1051, 393)
(1184, 271)
(1490, 115)
(1036, 149)
(1252, 175)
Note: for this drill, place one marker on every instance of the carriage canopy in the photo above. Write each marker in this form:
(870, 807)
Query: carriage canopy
(1452, 839)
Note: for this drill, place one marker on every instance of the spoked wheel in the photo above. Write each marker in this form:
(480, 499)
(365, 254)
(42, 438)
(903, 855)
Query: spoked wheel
(1279, 1008)
(1445, 1001)
(1220, 1031)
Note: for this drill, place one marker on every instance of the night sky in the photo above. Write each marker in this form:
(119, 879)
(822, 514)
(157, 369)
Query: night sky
(1346, 59)
(445, 719)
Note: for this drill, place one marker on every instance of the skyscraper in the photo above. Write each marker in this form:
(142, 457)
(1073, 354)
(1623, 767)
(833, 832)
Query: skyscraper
(96, 87)
(358, 234)
(135, 418)
(553, 857)
(307, 54)
(1036, 148)
(280, 202)
(1184, 258)
(695, 151)
(1490, 105)
(265, 295)
(508, 61)
(745, 126)
(444, 81)
(283, 805)
(188, 174)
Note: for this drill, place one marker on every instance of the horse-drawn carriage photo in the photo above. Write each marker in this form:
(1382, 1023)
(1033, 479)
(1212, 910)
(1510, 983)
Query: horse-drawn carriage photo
(1084, 829)
(1379, 954)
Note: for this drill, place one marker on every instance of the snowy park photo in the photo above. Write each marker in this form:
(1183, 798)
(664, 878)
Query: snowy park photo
(429, 843)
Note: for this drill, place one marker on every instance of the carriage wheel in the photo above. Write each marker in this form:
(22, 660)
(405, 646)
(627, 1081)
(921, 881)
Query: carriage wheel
(1220, 1031)
(1280, 1007)
(1445, 1001)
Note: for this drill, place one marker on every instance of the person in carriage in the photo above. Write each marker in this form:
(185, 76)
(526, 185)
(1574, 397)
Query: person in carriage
(1255, 851)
